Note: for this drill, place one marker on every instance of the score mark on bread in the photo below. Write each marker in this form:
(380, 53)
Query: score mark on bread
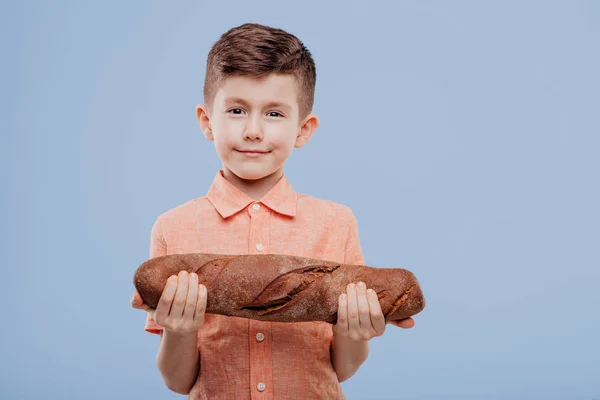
(282, 291)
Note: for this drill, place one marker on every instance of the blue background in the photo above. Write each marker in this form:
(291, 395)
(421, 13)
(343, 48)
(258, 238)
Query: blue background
(464, 135)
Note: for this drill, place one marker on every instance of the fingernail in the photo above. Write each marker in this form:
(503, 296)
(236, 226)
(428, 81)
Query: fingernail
(351, 286)
(361, 284)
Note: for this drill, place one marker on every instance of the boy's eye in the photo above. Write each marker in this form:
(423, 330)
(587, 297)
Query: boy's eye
(239, 111)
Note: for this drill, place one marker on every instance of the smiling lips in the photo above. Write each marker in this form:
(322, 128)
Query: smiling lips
(253, 153)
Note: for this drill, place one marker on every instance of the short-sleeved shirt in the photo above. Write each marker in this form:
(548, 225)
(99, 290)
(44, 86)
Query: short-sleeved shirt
(249, 359)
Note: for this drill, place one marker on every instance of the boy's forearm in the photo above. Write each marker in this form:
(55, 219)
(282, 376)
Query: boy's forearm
(347, 356)
(178, 360)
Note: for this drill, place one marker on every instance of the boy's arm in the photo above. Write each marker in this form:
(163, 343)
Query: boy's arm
(178, 360)
(348, 355)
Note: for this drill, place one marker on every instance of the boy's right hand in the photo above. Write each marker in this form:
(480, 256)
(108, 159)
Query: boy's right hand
(181, 306)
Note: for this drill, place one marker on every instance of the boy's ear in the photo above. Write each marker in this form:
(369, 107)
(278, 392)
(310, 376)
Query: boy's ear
(308, 127)
(204, 120)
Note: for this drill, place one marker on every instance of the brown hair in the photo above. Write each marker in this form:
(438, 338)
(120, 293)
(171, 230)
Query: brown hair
(256, 51)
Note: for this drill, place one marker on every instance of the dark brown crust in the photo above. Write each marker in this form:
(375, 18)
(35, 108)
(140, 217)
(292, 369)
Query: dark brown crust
(283, 288)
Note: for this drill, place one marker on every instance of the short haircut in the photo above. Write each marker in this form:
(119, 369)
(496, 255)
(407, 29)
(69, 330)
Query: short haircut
(256, 51)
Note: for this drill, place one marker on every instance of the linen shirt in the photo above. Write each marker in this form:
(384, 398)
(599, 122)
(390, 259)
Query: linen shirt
(248, 359)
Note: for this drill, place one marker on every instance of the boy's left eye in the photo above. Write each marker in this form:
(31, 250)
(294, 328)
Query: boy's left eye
(274, 114)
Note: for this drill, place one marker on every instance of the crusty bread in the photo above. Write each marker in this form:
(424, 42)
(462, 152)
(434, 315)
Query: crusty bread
(283, 288)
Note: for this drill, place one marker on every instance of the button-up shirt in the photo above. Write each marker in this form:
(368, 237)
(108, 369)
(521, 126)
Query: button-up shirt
(249, 359)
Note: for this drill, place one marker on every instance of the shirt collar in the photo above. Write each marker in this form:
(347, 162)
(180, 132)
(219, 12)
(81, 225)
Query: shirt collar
(228, 199)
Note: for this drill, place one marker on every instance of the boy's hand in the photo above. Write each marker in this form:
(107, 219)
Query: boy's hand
(360, 316)
(181, 306)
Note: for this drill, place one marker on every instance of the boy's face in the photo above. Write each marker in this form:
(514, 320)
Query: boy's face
(255, 124)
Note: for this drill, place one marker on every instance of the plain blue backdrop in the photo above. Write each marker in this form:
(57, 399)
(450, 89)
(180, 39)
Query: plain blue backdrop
(464, 136)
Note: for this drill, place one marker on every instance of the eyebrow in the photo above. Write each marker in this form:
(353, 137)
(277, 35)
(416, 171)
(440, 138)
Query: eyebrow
(269, 104)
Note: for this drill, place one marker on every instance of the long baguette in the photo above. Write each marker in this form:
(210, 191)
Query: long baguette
(283, 288)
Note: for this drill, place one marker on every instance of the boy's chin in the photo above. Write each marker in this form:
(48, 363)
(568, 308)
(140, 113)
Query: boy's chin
(251, 175)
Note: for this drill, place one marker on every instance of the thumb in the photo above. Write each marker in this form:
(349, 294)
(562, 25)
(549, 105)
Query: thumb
(136, 300)
(406, 323)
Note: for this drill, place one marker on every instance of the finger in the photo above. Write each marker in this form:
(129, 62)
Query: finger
(180, 295)
(201, 303)
(342, 314)
(192, 298)
(405, 323)
(166, 300)
(377, 317)
(353, 323)
(136, 300)
(364, 312)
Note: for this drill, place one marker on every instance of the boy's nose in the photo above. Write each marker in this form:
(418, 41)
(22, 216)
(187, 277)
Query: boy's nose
(252, 134)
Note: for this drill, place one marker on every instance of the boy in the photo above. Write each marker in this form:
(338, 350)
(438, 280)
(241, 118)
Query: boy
(258, 95)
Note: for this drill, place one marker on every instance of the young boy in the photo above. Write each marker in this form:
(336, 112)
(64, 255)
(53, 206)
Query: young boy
(258, 95)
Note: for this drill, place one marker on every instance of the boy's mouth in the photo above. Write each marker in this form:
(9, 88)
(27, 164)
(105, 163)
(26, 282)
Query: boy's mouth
(252, 153)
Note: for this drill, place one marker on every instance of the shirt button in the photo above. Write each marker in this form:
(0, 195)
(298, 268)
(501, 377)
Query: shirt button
(261, 386)
(256, 206)
(259, 247)
(260, 337)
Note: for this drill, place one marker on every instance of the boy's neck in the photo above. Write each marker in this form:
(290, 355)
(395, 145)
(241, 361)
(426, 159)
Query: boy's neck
(255, 189)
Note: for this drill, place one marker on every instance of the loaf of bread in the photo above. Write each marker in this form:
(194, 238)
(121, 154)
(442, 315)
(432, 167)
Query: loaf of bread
(282, 288)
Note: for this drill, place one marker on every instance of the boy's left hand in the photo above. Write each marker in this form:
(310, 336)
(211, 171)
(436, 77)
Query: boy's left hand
(360, 316)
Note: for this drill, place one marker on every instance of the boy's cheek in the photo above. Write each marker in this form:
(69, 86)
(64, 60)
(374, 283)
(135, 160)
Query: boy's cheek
(222, 145)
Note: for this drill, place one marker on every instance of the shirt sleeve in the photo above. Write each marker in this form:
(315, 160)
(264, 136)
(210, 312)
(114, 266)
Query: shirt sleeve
(353, 251)
(158, 247)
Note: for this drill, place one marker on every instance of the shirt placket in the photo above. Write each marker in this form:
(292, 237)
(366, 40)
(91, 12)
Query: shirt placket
(261, 364)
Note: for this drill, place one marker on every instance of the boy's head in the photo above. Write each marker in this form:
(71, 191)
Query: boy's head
(258, 94)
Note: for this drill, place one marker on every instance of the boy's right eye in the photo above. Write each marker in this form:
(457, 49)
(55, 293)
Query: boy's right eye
(237, 111)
